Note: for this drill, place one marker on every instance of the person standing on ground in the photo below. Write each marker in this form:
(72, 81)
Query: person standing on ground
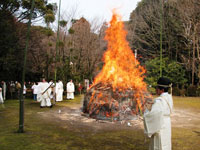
(24, 90)
(35, 90)
(80, 87)
(1, 97)
(44, 91)
(70, 90)
(18, 87)
(4, 89)
(12, 89)
(157, 121)
(59, 91)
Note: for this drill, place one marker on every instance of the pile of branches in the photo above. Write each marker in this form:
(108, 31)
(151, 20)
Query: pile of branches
(103, 102)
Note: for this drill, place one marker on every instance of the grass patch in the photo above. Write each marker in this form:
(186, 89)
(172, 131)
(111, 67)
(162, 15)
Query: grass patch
(41, 134)
(187, 102)
(50, 135)
(185, 139)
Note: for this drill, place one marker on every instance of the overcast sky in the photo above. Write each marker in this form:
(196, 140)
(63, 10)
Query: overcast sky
(91, 9)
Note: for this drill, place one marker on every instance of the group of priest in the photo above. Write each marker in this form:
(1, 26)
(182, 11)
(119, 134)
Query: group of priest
(44, 92)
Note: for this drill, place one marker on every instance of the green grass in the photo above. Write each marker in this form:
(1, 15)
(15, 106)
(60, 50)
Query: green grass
(186, 139)
(187, 102)
(45, 134)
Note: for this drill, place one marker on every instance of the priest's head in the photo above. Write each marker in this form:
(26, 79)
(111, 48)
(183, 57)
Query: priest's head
(163, 85)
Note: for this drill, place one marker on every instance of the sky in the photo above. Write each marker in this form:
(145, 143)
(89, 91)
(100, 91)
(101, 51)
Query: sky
(91, 9)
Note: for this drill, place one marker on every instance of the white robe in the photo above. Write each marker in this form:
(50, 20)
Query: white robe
(159, 129)
(59, 91)
(44, 98)
(51, 90)
(35, 89)
(1, 97)
(24, 90)
(4, 90)
(70, 90)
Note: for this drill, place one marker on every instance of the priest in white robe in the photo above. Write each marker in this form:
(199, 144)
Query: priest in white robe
(1, 97)
(59, 91)
(35, 91)
(52, 91)
(157, 122)
(70, 90)
(44, 92)
(4, 87)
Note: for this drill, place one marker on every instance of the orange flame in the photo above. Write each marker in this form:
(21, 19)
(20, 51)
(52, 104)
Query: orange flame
(120, 69)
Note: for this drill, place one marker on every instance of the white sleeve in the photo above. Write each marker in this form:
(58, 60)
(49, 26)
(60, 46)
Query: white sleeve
(153, 120)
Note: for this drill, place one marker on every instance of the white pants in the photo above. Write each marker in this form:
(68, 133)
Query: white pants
(70, 95)
(59, 96)
(1, 98)
(45, 102)
(4, 95)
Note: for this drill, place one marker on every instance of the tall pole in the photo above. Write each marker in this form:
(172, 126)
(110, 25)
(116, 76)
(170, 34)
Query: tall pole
(57, 42)
(21, 100)
(161, 36)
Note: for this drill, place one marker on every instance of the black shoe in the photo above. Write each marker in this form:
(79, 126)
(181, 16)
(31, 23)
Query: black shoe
(51, 106)
(41, 107)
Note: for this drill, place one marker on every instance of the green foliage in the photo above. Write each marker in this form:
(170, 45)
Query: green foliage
(182, 92)
(176, 91)
(46, 31)
(20, 8)
(171, 69)
(52, 6)
(63, 23)
(152, 90)
(191, 90)
(50, 44)
(61, 44)
(49, 18)
(180, 19)
(198, 91)
(71, 31)
(10, 57)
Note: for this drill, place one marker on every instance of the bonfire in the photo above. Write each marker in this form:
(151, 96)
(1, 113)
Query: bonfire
(118, 91)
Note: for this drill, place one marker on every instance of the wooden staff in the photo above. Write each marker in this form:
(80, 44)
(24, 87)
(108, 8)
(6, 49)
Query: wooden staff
(47, 88)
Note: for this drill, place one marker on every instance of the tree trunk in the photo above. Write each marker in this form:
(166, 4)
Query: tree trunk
(193, 57)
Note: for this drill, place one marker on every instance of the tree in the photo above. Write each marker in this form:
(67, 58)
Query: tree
(190, 17)
(20, 8)
(84, 45)
(180, 33)
(12, 37)
(175, 72)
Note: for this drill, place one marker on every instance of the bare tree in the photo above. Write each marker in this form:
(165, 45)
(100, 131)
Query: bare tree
(190, 17)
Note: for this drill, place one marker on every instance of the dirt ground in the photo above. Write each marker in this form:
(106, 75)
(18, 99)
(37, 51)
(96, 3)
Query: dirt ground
(72, 117)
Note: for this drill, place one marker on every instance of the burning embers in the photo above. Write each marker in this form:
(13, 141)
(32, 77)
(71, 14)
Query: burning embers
(118, 91)
(103, 102)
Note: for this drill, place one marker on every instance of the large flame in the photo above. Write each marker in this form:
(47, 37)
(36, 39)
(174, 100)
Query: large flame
(121, 69)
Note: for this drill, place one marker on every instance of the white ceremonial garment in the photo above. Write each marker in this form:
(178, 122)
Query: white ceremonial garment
(1, 97)
(4, 90)
(35, 89)
(24, 90)
(59, 91)
(51, 90)
(52, 85)
(70, 90)
(157, 123)
(44, 97)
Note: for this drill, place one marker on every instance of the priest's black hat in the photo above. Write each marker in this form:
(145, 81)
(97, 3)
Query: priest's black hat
(164, 83)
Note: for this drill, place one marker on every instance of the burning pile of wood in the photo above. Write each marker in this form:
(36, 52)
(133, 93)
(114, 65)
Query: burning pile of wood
(103, 102)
